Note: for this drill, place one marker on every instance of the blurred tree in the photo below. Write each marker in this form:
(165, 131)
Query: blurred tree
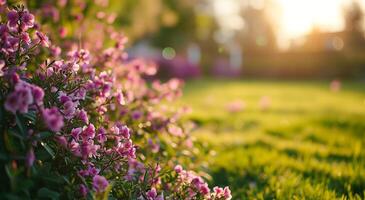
(354, 17)
(354, 26)
(258, 34)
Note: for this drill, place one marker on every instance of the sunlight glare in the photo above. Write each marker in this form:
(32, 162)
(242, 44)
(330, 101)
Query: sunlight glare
(299, 17)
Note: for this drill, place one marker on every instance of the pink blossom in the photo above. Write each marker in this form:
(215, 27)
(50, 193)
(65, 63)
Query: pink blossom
(62, 3)
(2, 65)
(55, 50)
(222, 193)
(178, 169)
(100, 183)
(25, 38)
(124, 131)
(136, 115)
(50, 72)
(88, 149)
(75, 148)
(76, 133)
(83, 116)
(61, 140)
(27, 20)
(155, 147)
(88, 132)
(204, 189)
(69, 109)
(38, 95)
(152, 195)
(101, 137)
(42, 39)
(53, 119)
(120, 98)
(83, 190)
(13, 17)
(335, 86)
(227, 193)
(20, 98)
(63, 32)
(30, 157)
(15, 78)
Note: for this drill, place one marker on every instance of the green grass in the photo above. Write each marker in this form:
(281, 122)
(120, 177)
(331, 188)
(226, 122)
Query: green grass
(310, 143)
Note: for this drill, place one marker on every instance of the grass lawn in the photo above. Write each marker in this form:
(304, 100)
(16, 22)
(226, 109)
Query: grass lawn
(309, 143)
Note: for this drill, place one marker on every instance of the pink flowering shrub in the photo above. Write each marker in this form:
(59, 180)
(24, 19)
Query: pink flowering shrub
(79, 124)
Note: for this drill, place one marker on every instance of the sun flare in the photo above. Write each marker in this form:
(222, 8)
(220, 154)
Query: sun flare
(299, 17)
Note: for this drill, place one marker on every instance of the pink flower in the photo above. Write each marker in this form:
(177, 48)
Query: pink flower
(204, 189)
(63, 32)
(155, 147)
(83, 190)
(50, 72)
(83, 116)
(124, 131)
(69, 109)
(38, 95)
(13, 17)
(120, 98)
(100, 183)
(20, 98)
(92, 171)
(178, 169)
(55, 50)
(152, 195)
(15, 78)
(25, 38)
(136, 115)
(62, 3)
(88, 132)
(76, 133)
(101, 137)
(218, 191)
(61, 140)
(2, 65)
(42, 39)
(88, 149)
(53, 119)
(27, 20)
(75, 148)
(30, 158)
(222, 193)
(227, 193)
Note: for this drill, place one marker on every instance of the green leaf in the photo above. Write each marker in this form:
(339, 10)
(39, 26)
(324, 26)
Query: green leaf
(45, 134)
(25, 184)
(12, 197)
(15, 134)
(3, 156)
(20, 124)
(47, 193)
(48, 149)
(10, 176)
(31, 115)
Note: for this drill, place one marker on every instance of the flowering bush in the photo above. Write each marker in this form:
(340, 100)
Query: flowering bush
(78, 124)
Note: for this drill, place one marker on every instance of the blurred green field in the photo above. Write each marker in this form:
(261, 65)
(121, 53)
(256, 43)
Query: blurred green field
(309, 144)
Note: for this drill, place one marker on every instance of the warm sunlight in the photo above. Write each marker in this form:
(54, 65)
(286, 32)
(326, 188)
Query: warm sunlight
(298, 17)
(295, 17)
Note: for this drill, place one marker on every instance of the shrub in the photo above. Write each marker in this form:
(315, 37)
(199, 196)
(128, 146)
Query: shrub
(81, 124)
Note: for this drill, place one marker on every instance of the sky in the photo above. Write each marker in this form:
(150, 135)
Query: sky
(295, 18)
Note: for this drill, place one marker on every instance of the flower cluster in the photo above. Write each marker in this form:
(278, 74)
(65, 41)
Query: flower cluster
(194, 187)
(89, 120)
